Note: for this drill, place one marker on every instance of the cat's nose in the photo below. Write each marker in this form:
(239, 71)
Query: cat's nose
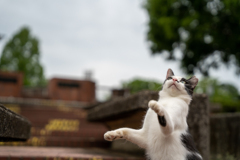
(174, 79)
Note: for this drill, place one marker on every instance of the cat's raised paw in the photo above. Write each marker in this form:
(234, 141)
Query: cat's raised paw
(113, 135)
(154, 105)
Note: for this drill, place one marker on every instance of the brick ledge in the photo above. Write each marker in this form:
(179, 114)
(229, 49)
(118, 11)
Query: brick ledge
(50, 153)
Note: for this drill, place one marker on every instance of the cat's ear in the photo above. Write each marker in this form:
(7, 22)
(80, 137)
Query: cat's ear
(169, 73)
(193, 81)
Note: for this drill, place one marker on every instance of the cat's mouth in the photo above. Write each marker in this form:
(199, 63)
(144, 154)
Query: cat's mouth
(174, 85)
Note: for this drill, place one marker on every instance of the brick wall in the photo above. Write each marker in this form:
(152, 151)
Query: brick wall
(120, 93)
(35, 92)
(73, 90)
(60, 126)
(10, 84)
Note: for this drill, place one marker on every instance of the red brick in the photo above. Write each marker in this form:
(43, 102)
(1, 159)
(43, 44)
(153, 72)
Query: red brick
(40, 158)
(15, 158)
(74, 90)
(4, 158)
(11, 84)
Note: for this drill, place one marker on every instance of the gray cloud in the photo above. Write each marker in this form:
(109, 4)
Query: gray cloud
(106, 36)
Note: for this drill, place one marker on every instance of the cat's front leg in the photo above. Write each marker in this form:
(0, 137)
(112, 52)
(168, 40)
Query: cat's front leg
(164, 119)
(116, 134)
(135, 136)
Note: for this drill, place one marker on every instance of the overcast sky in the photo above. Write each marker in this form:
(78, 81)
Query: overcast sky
(107, 37)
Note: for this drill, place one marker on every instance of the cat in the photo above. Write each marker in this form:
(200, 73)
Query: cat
(164, 134)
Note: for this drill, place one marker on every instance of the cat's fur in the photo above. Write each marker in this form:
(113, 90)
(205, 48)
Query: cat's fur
(164, 134)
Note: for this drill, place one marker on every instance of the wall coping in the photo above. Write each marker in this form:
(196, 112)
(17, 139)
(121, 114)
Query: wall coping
(42, 102)
(13, 126)
(122, 105)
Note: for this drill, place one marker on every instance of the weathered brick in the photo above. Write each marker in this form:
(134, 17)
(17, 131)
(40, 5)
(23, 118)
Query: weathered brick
(11, 84)
(74, 90)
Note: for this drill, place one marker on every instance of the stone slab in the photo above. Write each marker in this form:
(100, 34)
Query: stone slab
(13, 127)
(121, 105)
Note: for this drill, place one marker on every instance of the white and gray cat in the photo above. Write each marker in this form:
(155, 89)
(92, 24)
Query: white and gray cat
(164, 134)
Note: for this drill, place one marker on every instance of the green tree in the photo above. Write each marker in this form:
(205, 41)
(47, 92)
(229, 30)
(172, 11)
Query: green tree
(207, 32)
(137, 85)
(21, 53)
(225, 94)
(221, 93)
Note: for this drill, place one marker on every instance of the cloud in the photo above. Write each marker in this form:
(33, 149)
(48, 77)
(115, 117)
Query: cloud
(106, 36)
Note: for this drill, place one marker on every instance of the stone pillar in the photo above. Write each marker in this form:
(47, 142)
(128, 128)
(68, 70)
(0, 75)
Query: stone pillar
(198, 123)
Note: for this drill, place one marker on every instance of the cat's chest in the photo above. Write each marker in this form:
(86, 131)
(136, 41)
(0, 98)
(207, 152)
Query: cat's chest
(173, 105)
(170, 102)
(162, 148)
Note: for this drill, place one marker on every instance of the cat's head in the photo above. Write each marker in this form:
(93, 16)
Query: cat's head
(176, 85)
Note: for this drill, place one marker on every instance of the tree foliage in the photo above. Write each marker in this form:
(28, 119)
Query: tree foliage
(21, 53)
(137, 85)
(207, 32)
(225, 94)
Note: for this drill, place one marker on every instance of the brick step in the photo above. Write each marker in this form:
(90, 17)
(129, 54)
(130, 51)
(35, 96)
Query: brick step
(51, 153)
(82, 121)
(80, 133)
(77, 142)
(55, 113)
(49, 115)
(68, 127)
(49, 111)
(45, 120)
(43, 110)
(74, 142)
(34, 107)
(81, 126)
(62, 126)
(35, 116)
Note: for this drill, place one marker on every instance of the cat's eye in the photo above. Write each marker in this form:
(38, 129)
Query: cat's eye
(183, 82)
(169, 78)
